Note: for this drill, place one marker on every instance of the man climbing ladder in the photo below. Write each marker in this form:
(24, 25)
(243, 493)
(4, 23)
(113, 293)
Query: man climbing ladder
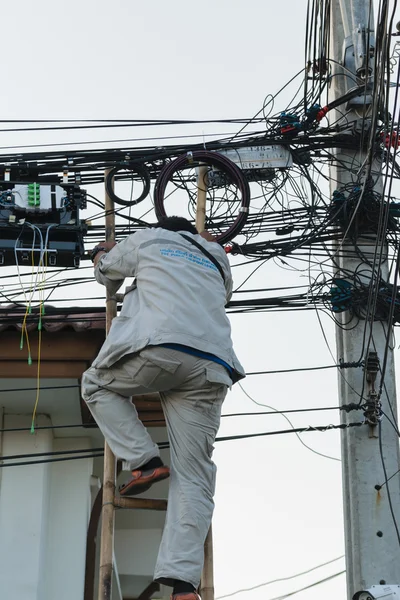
(172, 337)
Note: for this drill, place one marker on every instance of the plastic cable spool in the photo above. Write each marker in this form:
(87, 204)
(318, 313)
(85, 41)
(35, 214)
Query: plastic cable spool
(212, 159)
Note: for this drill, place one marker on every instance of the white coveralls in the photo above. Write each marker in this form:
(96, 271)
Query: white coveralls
(179, 298)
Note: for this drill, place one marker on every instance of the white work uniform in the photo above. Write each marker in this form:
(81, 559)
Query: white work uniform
(178, 298)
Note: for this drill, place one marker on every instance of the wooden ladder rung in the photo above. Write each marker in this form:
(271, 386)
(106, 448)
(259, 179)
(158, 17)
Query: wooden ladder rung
(140, 503)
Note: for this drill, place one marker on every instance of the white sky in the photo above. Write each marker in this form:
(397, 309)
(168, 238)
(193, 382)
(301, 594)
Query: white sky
(278, 505)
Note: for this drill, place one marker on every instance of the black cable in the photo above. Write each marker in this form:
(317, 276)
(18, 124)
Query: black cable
(51, 460)
(300, 369)
(148, 421)
(56, 453)
(91, 453)
(136, 169)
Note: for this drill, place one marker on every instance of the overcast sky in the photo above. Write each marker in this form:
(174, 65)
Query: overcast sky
(278, 505)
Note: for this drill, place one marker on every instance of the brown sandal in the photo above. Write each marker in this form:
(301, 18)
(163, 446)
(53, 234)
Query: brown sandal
(143, 480)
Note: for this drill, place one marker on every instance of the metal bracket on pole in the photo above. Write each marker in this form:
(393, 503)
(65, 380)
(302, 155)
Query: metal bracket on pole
(364, 50)
(375, 592)
(358, 52)
(359, 39)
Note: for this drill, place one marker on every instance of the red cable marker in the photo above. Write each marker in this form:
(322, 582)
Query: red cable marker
(392, 140)
(321, 113)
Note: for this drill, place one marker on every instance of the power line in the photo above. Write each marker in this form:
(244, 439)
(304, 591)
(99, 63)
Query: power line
(291, 425)
(165, 445)
(255, 587)
(307, 587)
(320, 428)
(149, 421)
(50, 460)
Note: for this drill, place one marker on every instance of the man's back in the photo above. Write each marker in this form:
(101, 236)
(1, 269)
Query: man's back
(179, 295)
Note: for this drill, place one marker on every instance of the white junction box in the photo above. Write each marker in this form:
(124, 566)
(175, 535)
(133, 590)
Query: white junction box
(259, 157)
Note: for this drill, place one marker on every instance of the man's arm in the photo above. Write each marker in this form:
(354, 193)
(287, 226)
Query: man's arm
(99, 250)
(116, 262)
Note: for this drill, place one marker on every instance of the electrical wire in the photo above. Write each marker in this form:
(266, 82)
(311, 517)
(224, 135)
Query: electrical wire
(150, 421)
(291, 425)
(307, 587)
(90, 453)
(280, 579)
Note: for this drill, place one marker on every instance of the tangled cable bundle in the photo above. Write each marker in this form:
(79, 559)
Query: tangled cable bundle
(213, 160)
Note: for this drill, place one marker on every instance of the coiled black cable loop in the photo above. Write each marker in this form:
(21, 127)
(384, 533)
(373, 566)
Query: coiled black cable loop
(214, 159)
(136, 169)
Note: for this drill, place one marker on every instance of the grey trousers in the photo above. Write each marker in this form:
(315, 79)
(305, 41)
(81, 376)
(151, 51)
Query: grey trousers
(192, 391)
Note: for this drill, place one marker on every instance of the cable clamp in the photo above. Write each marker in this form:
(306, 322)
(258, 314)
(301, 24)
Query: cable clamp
(351, 406)
(244, 209)
(189, 156)
(348, 365)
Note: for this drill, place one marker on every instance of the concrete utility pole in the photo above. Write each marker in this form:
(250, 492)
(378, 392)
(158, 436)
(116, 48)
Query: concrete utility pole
(372, 542)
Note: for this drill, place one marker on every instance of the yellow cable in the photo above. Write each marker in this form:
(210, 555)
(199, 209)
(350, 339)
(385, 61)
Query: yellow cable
(27, 311)
(37, 376)
(41, 312)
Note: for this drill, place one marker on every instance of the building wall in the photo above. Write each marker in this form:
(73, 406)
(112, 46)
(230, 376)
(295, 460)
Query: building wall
(44, 513)
(45, 510)
(24, 495)
(68, 518)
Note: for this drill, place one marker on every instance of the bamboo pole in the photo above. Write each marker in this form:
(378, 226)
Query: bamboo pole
(109, 477)
(207, 576)
(201, 198)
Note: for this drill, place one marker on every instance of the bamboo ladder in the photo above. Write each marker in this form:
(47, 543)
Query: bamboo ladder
(110, 500)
